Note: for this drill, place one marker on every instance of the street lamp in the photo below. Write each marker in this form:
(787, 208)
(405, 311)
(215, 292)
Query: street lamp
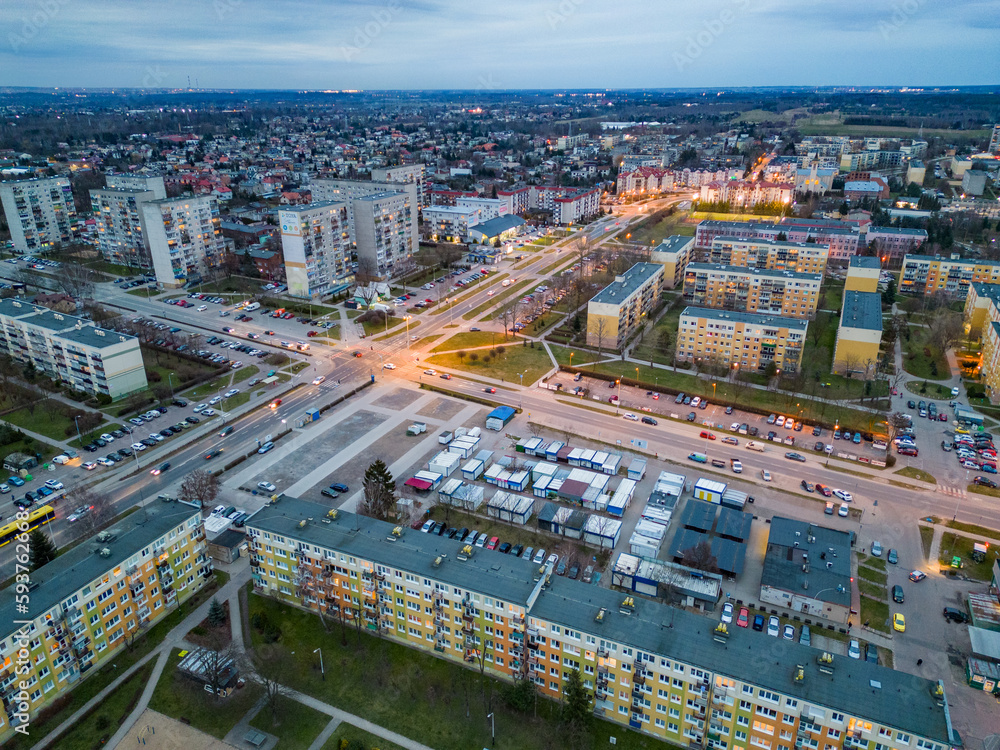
(321, 670)
(170, 381)
(619, 399)
(493, 728)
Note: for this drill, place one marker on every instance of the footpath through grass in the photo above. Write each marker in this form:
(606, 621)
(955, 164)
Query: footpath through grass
(293, 723)
(430, 700)
(97, 727)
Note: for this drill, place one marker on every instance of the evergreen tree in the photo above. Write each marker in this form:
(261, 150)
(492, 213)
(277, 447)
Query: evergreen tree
(216, 613)
(380, 490)
(41, 550)
(576, 708)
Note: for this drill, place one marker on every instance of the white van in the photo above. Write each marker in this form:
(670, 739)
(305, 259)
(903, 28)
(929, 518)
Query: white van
(753, 445)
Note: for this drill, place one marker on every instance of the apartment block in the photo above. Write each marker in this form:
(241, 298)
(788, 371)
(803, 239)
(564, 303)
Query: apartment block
(673, 253)
(802, 257)
(989, 370)
(71, 349)
(489, 208)
(450, 223)
(121, 236)
(40, 212)
(927, 274)
(87, 603)
(385, 232)
(746, 193)
(694, 682)
(894, 242)
(753, 290)
(863, 274)
(566, 204)
(616, 311)
(349, 190)
(185, 238)
(316, 244)
(859, 334)
(982, 305)
(840, 238)
(138, 182)
(740, 340)
(515, 199)
(411, 174)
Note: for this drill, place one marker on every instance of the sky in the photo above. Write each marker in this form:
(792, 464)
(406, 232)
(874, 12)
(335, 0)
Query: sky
(512, 44)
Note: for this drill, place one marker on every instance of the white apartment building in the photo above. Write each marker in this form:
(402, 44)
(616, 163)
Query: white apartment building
(121, 237)
(349, 190)
(138, 182)
(385, 232)
(489, 208)
(316, 244)
(414, 174)
(450, 223)
(185, 237)
(40, 212)
(71, 349)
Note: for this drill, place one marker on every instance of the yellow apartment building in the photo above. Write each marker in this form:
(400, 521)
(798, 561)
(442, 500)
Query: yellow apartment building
(753, 290)
(673, 253)
(617, 311)
(745, 340)
(859, 334)
(801, 257)
(862, 274)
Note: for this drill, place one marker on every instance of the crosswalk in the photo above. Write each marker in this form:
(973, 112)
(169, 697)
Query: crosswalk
(953, 491)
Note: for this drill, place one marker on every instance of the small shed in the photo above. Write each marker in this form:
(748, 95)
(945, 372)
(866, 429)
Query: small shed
(698, 516)
(511, 508)
(463, 447)
(573, 526)
(637, 469)
(15, 462)
(226, 546)
(622, 498)
(598, 459)
(611, 464)
(444, 463)
(657, 514)
(434, 477)
(473, 469)
(543, 469)
(540, 488)
(529, 445)
(552, 450)
(734, 525)
(601, 531)
(572, 491)
(734, 499)
(499, 417)
(709, 490)
(546, 516)
(644, 546)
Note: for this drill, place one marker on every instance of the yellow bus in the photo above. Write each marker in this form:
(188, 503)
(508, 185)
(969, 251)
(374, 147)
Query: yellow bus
(37, 517)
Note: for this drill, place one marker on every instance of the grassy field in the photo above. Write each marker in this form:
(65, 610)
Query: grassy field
(182, 698)
(470, 339)
(427, 699)
(914, 473)
(921, 358)
(375, 327)
(652, 233)
(516, 358)
(817, 360)
(953, 544)
(832, 124)
(971, 528)
(160, 365)
(47, 417)
(875, 613)
(301, 307)
(245, 373)
(925, 390)
(926, 537)
(497, 299)
(357, 739)
(97, 727)
(296, 726)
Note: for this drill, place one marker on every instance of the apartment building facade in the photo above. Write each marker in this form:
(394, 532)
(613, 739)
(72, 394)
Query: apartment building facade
(863, 272)
(801, 257)
(840, 239)
(40, 212)
(316, 245)
(408, 174)
(859, 334)
(753, 290)
(989, 369)
(450, 223)
(385, 233)
(895, 242)
(71, 349)
(88, 602)
(927, 274)
(566, 204)
(745, 193)
(138, 182)
(616, 311)
(740, 340)
(515, 199)
(185, 238)
(690, 683)
(121, 236)
(674, 254)
(350, 190)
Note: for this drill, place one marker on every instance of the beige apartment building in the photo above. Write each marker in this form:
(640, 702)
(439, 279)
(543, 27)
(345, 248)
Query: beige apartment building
(673, 253)
(932, 274)
(746, 341)
(616, 311)
(862, 274)
(752, 290)
(801, 257)
(668, 673)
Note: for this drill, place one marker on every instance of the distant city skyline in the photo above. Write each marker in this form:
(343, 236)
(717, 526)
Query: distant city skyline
(446, 44)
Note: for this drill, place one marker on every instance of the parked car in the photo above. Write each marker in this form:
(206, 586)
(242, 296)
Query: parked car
(727, 612)
(854, 649)
(955, 615)
(744, 617)
(897, 594)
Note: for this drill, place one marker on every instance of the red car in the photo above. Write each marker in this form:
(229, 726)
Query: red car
(276, 403)
(493, 543)
(707, 435)
(942, 417)
(824, 490)
(310, 334)
(744, 617)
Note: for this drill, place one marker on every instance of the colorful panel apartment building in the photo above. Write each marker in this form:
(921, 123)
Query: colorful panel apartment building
(859, 334)
(616, 311)
(801, 257)
(90, 600)
(863, 273)
(674, 254)
(740, 340)
(666, 672)
(752, 290)
(927, 274)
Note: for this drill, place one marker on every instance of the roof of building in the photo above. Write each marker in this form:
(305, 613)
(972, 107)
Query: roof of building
(856, 687)
(230, 539)
(69, 327)
(734, 523)
(863, 186)
(773, 321)
(627, 284)
(808, 560)
(989, 291)
(916, 258)
(309, 207)
(673, 244)
(862, 310)
(698, 515)
(497, 226)
(80, 565)
(759, 272)
(462, 210)
(97, 338)
(900, 231)
(722, 239)
(864, 261)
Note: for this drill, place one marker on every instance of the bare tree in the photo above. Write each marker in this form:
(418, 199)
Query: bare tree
(268, 666)
(946, 329)
(895, 423)
(100, 509)
(700, 557)
(201, 486)
(600, 327)
(509, 314)
(76, 280)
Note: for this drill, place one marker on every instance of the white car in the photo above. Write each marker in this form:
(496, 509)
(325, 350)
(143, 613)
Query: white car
(630, 417)
(773, 626)
(266, 486)
(157, 437)
(231, 392)
(727, 612)
(430, 372)
(107, 438)
(200, 408)
(428, 525)
(843, 495)
(79, 513)
(90, 466)
(318, 380)
(139, 447)
(214, 400)
(54, 484)
(61, 459)
(388, 366)
(765, 475)
(4, 489)
(202, 308)
(854, 649)
(105, 462)
(208, 413)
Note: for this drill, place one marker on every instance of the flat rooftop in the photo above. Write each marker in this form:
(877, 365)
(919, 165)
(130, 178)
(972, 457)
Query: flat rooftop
(864, 261)
(628, 283)
(673, 244)
(759, 272)
(862, 310)
(771, 321)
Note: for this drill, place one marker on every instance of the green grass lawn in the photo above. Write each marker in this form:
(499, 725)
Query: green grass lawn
(47, 418)
(925, 390)
(953, 544)
(875, 576)
(100, 677)
(817, 360)
(97, 727)
(359, 737)
(427, 699)
(296, 726)
(470, 339)
(652, 233)
(921, 358)
(972, 528)
(228, 404)
(498, 299)
(534, 362)
(164, 364)
(245, 373)
(914, 473)
(182, 698)
(926, 537)
(374, 327)
(875, 613)
(312, 309)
